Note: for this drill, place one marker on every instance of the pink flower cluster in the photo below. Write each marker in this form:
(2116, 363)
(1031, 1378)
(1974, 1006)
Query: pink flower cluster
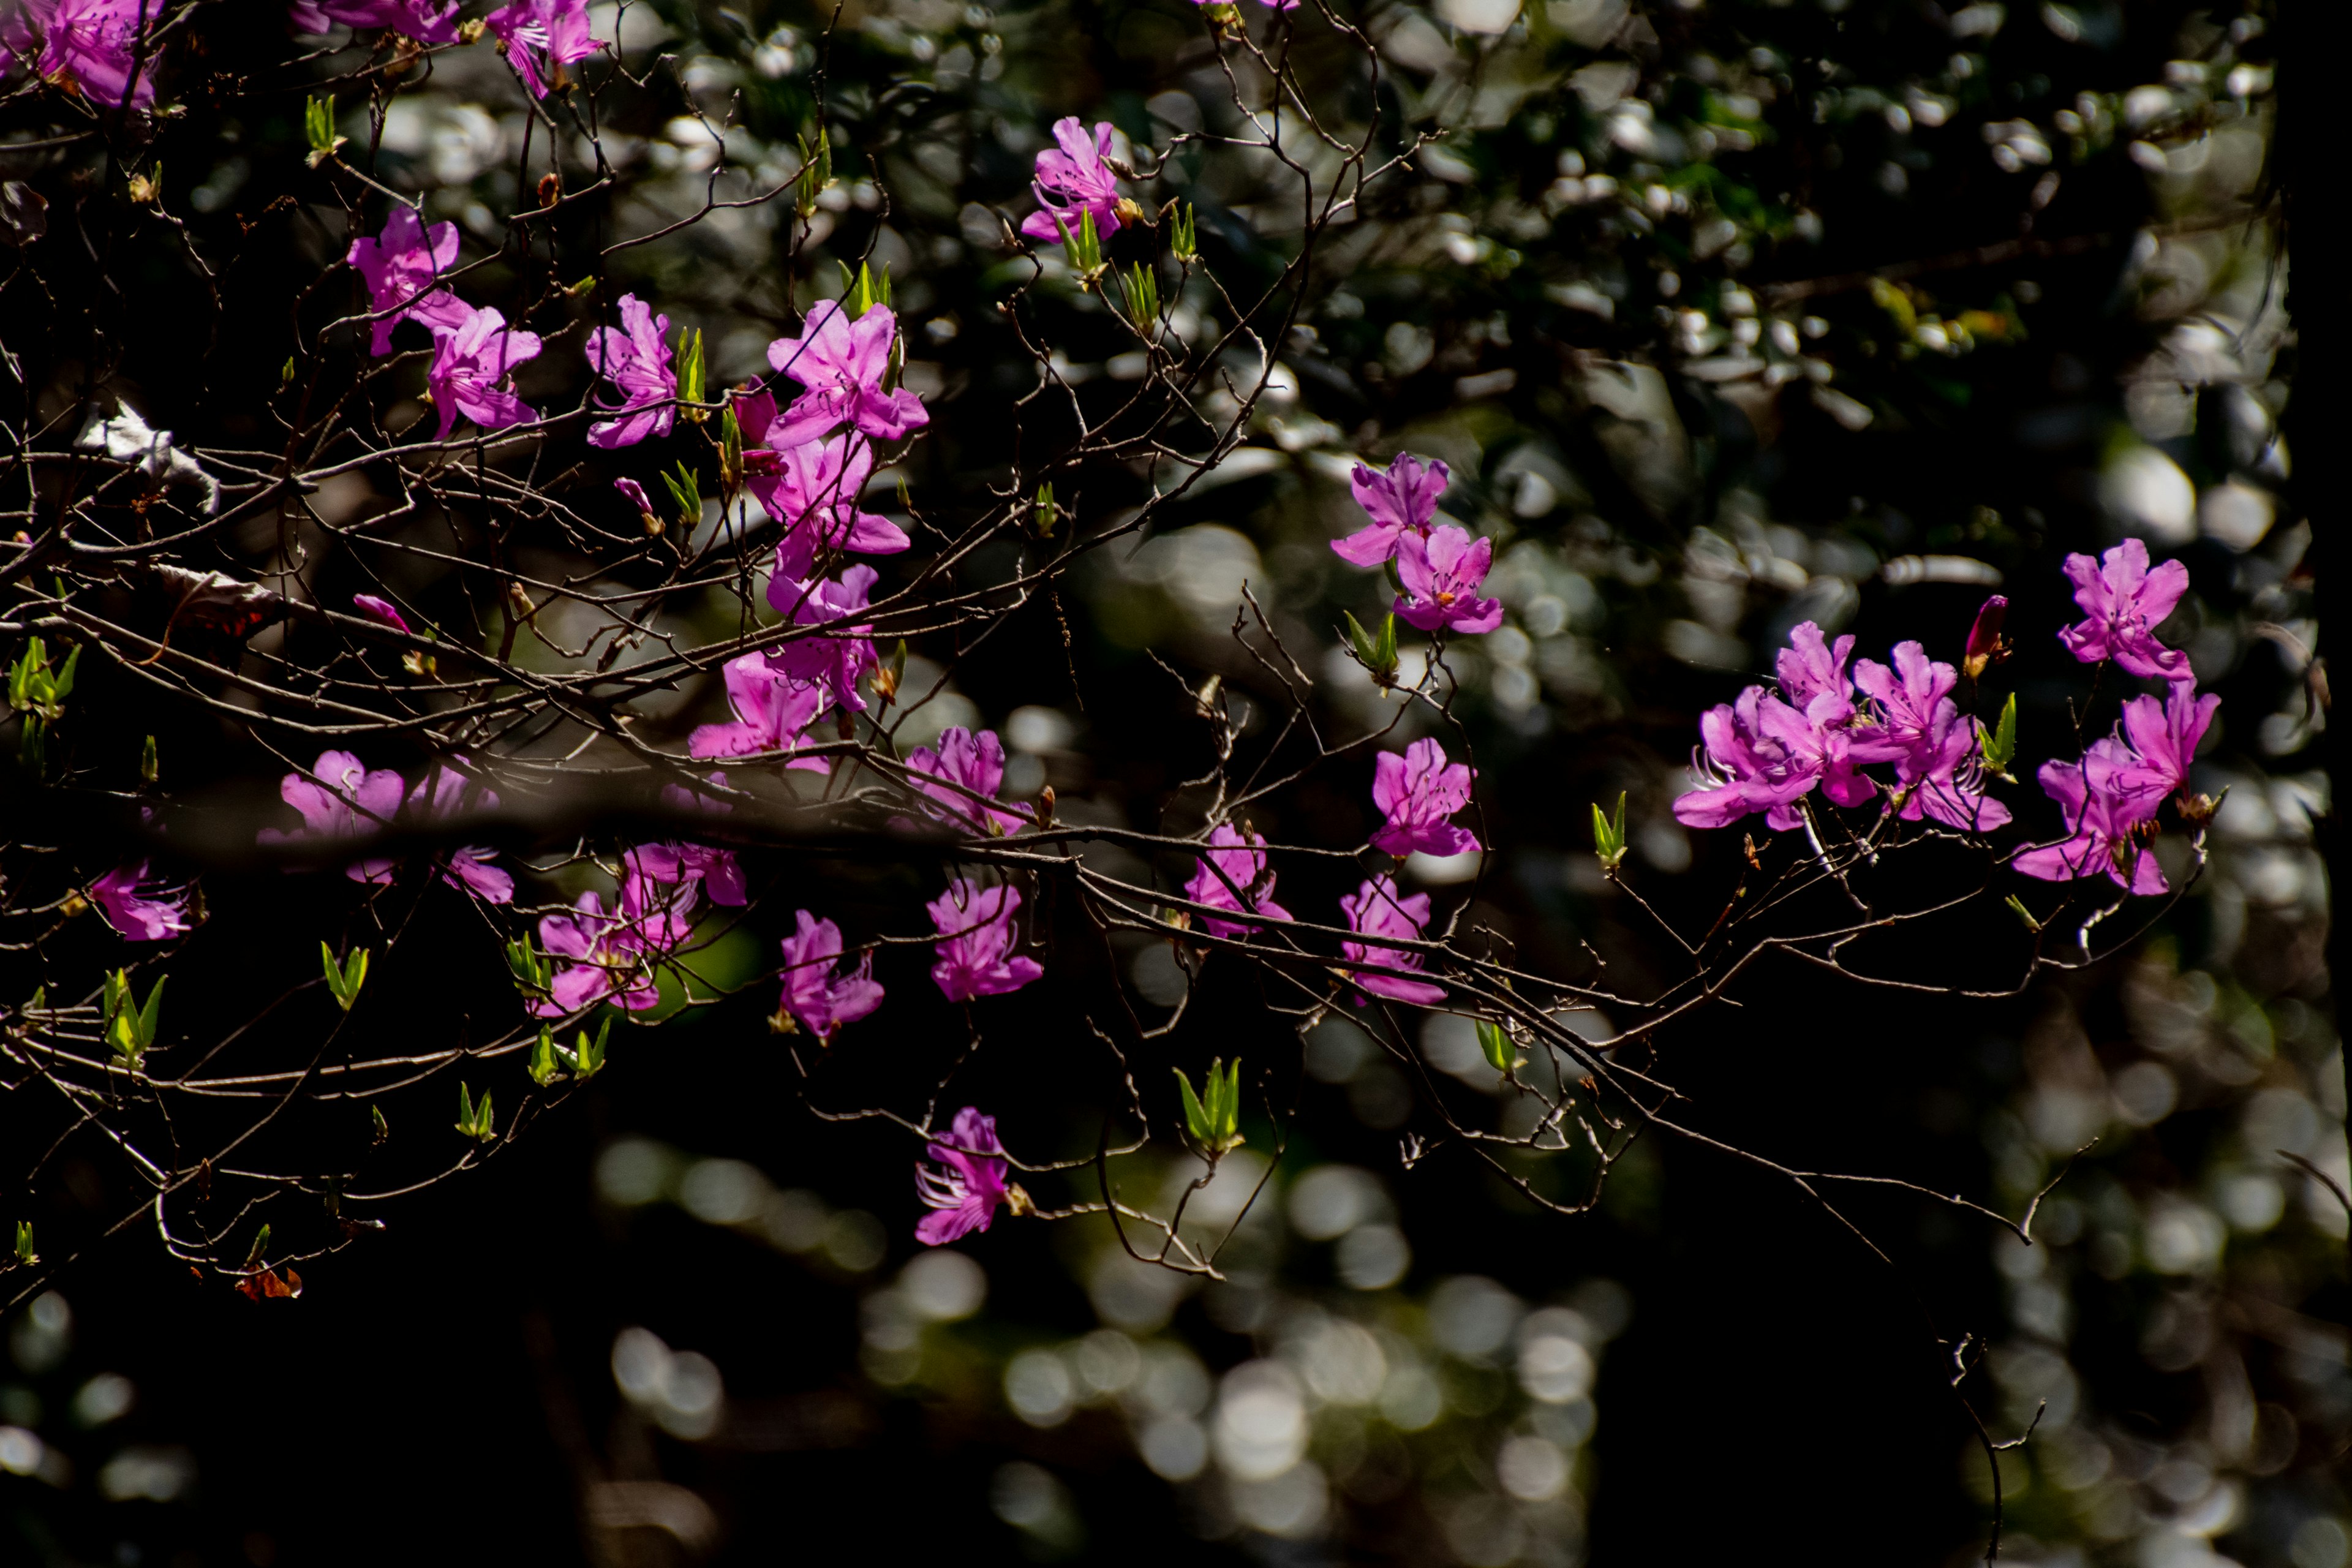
(1440, 566)
(344, 803)
(85, 46)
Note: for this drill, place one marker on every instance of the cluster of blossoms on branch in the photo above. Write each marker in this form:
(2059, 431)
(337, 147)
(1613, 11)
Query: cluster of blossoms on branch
(1768, 751)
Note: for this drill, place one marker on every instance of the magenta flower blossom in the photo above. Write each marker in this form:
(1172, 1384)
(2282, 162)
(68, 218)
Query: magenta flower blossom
(841, 364)
(967, 1184)
(444, 794)
(89, 46)
(820, 999)
(975, 761)
(837, 659)
(401, 266)
(1920, 729)
(1812, 676)
(600, 955)
(683, 866)
(634, 357)
(340, 801)
(1441, 576)
(382, 610)
(977, 937)
(540, 37)
(418, 19)
(1072, 179)
(635, 494)
(2164, 737)
(2107, 823)
(1378, 910)
(811, 490)
(1239, 855)
(1748, 764)
(772, 712)
(1418, 792)
(470, 362)
(2125, 601)
(150, 912)
(1400, 502)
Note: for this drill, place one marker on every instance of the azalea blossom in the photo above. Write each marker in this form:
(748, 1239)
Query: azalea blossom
(678, 865)
(401, 267)
(600, 955)
(2123, 601)
(1441, 576)
(977, 939)
(835, 659)
(967, 1183)
(540, 37)
(772, 712)
(975, 761)
(634, 357)
(819, 999)
(2164, 737)
(1234, 865)
(1418, 792)
(843, 363)
(1378, 910)
(89, 46)
(2108, 822)
(469, 364)
(1920, 730)
(418, 19)
(137, 909)
(1399, 501)
(1813, 679)
(1073, 178)
(1748, 765)
(341, 799)
(446, 793)
(811, 490)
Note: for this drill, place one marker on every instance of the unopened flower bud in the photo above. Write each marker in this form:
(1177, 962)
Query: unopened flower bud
(1986, 647)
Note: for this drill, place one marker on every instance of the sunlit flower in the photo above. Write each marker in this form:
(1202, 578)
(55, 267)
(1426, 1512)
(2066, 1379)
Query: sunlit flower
(1378, 910)
(2108, 823)
(1073, 178)
(975, 761)
(1920, 729)
(1441, 576)
(834, 659)
(137, 909)
(1418, 792)
(469, 365)
(634, 357)
(444, 794)
(600, 956)
(977, 937)
(342, 800)
(402, 268)
(772, 712)
(683, 864)
(418, 19)
(2123, 601)
(842, 365)
(821, 1000)
(1244, 887)
(89, 46)
(968, 1183)
(1402, 501)
(811, 490)
(540, 37)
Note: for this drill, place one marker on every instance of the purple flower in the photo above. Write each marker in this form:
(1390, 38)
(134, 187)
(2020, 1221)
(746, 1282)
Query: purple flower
(401, 267)
(470, 362)
(1073, 179)
(1239, 855)
(2125, 601)
(811, 490)
(377, 609)
(1813, 675)
(634, 357)
(602, 955)
(821, 1000)
(968, 1181)
(635, 493)
(444, 794)
(342, 800)
(1400, 502)
(540, 37)
(772, 715)
(2165, 736)
(150, 914)
(89, 46)
(1441, 576)
(976, 925)
(836, 660)
(1748, 765)
(1986, 647)
(1418, 792)
(1920, 729)
(842, 364)
(410, 18)
(683, 864)
(2107, 823)
(1377, 910)
(975, 761)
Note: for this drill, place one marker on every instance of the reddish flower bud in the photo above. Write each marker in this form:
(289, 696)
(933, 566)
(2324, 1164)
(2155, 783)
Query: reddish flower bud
(1986, 647)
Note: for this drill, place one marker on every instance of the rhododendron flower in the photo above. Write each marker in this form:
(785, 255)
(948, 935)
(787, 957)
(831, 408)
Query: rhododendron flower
(401, 267)
(1441, 576)
(772, 712)
(1920, 730)
(540, 37)
(1073, 178)
(149, 913)
(685, 865)
(1813, 675)
(445, 793)
(2164, 736)
(341, 799)
(87, 45)
(842, 364)
(418, 19)
(1749, 766)
(470, 362)
(2105, 819)
(1400, 502)
(975, 761)
(811, 490)
(1378, 910)
(1241, 857)
(600, 954)
(968, 1183)
(819, 999)
(838, 657)
(382, 610)
(2125, 601)
(634, 357)
(975, 952)
(1418, 792)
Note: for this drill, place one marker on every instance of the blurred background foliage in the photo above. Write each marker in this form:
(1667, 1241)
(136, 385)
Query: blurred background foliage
(1726, 316)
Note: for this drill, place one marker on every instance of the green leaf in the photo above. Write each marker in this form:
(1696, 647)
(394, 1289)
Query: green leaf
(1609, 835)
(2017, 906)
(149, 765)
(1196, 1116)
(25, 1253)
(1183, 241)
(1496, 1044)
(1999, 743)
(345, 979)
(543, 1069)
